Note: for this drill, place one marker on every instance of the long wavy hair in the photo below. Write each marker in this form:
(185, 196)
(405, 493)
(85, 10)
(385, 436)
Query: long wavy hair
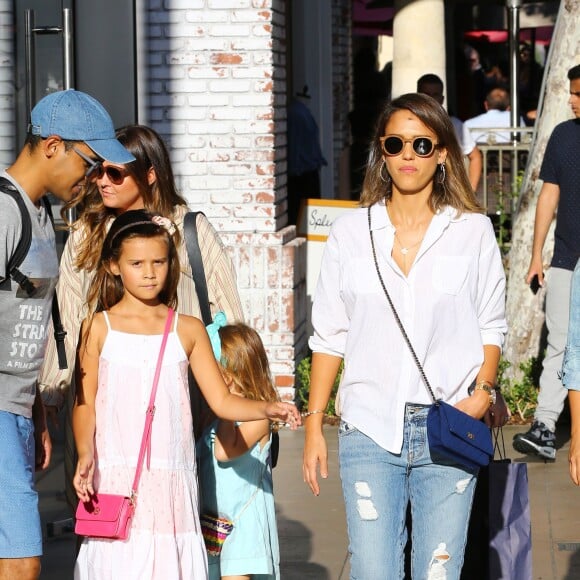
(106, 289)
(161, 197)
(455, 190)
(245, 362)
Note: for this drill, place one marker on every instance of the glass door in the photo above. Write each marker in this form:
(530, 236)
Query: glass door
(91, 48)
(44, 54)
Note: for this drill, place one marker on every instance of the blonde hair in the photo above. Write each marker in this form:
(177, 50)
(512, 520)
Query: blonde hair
(453, 190)
(245, 362)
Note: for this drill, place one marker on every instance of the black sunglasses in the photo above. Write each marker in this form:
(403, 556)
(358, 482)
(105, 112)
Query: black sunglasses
(393, 145)
(92, 164)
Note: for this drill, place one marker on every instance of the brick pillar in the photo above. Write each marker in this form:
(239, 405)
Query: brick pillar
(7, 82)
(217, 94)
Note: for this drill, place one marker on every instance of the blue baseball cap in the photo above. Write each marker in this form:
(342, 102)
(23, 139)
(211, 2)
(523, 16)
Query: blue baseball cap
(75, 116)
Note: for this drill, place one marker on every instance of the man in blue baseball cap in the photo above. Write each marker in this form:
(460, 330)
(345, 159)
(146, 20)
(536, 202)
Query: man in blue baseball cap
(69, 135)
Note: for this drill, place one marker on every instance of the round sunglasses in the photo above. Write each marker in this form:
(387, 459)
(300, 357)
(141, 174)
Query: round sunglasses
(116, 175)
(95, 169)
(393, 145)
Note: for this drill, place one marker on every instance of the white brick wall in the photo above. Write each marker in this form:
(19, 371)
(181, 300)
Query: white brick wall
(215, 88)
(218, 95)
(212, 82)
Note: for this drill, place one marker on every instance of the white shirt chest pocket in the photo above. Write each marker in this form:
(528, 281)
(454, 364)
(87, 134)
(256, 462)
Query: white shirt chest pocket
(450, 273)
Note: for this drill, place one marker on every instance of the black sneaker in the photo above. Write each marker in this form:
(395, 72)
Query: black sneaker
(539, 440)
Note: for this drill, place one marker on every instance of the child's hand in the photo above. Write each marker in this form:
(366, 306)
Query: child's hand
(285, 413)
(83, 479)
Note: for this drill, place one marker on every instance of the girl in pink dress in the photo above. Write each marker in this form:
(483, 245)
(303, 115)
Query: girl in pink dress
(134, 287)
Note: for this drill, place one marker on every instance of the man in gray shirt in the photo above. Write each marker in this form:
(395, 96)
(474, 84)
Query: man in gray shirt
(70, 134)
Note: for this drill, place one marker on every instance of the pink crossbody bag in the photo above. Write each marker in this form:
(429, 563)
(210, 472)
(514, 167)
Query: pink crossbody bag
(109, 515)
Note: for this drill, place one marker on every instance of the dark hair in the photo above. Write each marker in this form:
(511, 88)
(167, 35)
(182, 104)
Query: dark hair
(498, 99)
(106, 290)
(455, 191)
(429, 79)
(160, 197)
(33, 141)
(150, 151)
(574, 73)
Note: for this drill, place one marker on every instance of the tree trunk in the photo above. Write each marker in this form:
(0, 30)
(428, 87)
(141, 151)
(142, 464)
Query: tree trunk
(524, 310)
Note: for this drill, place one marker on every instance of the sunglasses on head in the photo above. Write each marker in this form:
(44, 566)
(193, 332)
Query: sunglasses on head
(393, 145)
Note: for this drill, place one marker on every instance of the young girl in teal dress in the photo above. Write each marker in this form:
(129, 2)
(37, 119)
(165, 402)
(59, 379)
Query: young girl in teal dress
(235, 470)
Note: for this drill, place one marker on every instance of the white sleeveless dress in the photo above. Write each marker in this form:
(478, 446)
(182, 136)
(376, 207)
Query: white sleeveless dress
(165, 541)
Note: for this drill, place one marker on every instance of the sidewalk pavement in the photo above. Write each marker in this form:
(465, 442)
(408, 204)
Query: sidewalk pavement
(312, 530)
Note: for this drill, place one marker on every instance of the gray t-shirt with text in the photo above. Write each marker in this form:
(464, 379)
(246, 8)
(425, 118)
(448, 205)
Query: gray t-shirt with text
(24, 320)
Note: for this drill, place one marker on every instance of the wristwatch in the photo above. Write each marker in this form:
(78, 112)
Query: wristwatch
(484, 386)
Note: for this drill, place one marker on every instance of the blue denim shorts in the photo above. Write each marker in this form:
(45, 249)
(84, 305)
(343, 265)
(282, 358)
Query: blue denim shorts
(20, 532)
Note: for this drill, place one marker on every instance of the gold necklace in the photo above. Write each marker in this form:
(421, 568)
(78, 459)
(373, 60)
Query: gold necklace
(405, 250)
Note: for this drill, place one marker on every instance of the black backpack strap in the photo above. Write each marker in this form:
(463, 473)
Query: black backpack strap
(59, 333)
(23, 246)
(196, 262)
(12, 268)
(199, 406)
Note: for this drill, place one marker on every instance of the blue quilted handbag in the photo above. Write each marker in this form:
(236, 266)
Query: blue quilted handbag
(457, 436)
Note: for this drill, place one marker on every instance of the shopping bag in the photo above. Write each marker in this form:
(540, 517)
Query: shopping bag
(476, 557)
(510, 533)
(499, 540)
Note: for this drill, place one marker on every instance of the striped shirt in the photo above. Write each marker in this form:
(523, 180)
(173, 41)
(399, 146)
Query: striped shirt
(73, 286)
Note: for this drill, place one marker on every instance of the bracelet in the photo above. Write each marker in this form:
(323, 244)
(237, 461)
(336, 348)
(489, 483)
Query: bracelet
(485, 382)
(308, 413)
(488, 388)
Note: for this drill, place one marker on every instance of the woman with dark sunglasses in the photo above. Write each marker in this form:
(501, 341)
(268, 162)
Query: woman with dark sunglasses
(147, 183)
(439, 261)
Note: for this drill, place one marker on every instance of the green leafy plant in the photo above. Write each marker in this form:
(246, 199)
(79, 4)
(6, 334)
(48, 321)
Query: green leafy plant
(521, 395)
(504, 211)
(303, 371)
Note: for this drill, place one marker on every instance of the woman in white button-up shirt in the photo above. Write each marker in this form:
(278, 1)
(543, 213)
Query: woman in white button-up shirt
(440, 262)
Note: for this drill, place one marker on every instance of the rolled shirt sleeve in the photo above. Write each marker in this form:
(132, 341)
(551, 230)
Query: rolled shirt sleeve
(329, 318)
(491, 292)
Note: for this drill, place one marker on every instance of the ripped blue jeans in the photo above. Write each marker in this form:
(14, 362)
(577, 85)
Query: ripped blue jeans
(378, 485)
